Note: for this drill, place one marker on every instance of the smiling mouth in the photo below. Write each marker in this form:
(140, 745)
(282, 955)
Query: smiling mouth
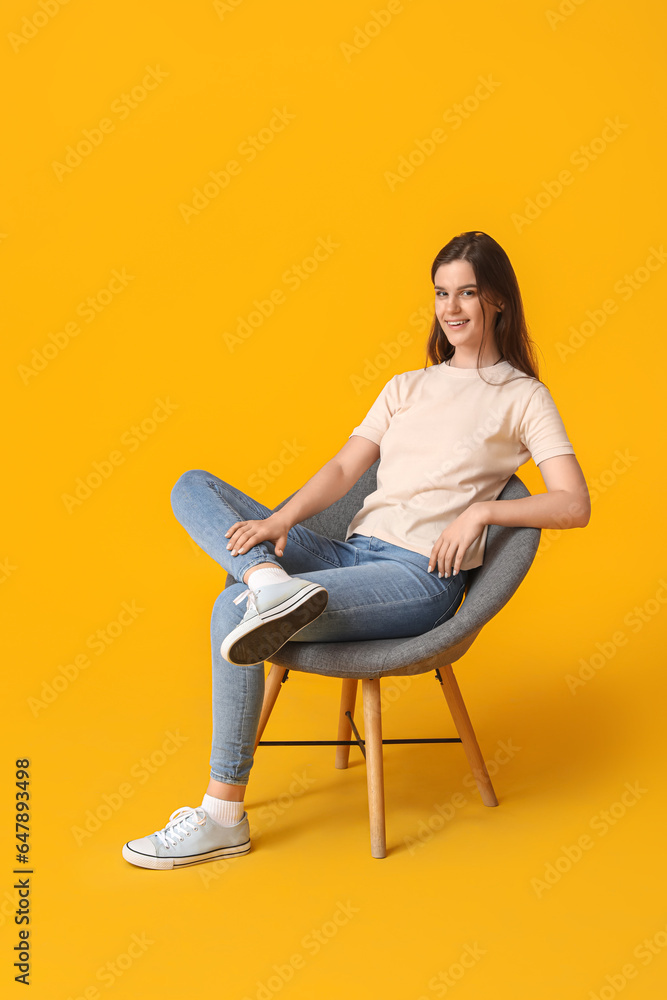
(455, 324)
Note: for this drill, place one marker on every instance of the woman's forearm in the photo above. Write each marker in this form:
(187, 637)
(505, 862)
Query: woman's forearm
(555, 509)
(329, 484)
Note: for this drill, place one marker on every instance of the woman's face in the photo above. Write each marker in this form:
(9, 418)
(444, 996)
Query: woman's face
(458, 307)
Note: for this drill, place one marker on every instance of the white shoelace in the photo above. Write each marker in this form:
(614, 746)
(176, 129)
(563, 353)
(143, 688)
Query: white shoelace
(250, 594)
(180, 819)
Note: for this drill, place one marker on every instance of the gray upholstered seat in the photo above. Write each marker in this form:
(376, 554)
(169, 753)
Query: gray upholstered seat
(508, 555)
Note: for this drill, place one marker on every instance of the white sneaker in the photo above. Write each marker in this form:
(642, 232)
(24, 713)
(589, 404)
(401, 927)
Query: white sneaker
(190, 837)
(274, 614)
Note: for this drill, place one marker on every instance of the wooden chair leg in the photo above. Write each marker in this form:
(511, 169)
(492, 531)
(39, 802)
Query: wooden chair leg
(348, 699)
(374, 765)
(467, 734)
(271, 691)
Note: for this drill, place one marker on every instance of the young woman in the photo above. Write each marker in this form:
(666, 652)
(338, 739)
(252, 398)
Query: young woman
(449, 436)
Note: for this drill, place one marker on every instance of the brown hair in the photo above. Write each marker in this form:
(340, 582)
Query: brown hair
(496, 280)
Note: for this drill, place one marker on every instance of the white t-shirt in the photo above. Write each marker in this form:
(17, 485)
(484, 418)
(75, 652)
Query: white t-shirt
(448, 438)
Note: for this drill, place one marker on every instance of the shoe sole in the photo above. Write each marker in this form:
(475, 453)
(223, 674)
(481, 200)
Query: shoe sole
(163, 864)
(259, 642)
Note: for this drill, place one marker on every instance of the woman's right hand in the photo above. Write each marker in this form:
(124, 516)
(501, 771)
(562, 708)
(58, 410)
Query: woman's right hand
(243, 535)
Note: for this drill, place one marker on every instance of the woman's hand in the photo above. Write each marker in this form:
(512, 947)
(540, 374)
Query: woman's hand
(244, 534)
(455, 540)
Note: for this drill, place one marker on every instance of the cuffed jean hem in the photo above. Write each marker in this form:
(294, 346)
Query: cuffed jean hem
(227, 781)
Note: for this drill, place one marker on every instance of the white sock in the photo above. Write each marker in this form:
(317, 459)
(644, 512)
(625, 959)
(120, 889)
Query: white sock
(263, 577)
(224, 811)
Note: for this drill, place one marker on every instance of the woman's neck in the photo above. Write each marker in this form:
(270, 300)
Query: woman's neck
(460, 360)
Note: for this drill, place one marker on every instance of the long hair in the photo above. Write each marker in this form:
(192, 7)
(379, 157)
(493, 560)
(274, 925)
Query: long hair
(496, 280)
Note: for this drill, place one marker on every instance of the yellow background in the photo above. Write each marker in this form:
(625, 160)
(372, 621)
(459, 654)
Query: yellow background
(470, 882)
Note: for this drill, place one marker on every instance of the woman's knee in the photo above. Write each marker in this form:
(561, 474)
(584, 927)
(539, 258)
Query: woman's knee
(186, 484)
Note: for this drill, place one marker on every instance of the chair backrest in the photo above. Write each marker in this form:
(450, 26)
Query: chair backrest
(333, 521)
(508, 555)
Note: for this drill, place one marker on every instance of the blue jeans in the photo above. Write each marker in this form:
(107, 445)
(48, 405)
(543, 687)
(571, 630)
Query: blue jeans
(376, 591)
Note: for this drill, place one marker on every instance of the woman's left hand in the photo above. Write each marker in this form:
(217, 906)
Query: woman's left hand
(450, 548)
